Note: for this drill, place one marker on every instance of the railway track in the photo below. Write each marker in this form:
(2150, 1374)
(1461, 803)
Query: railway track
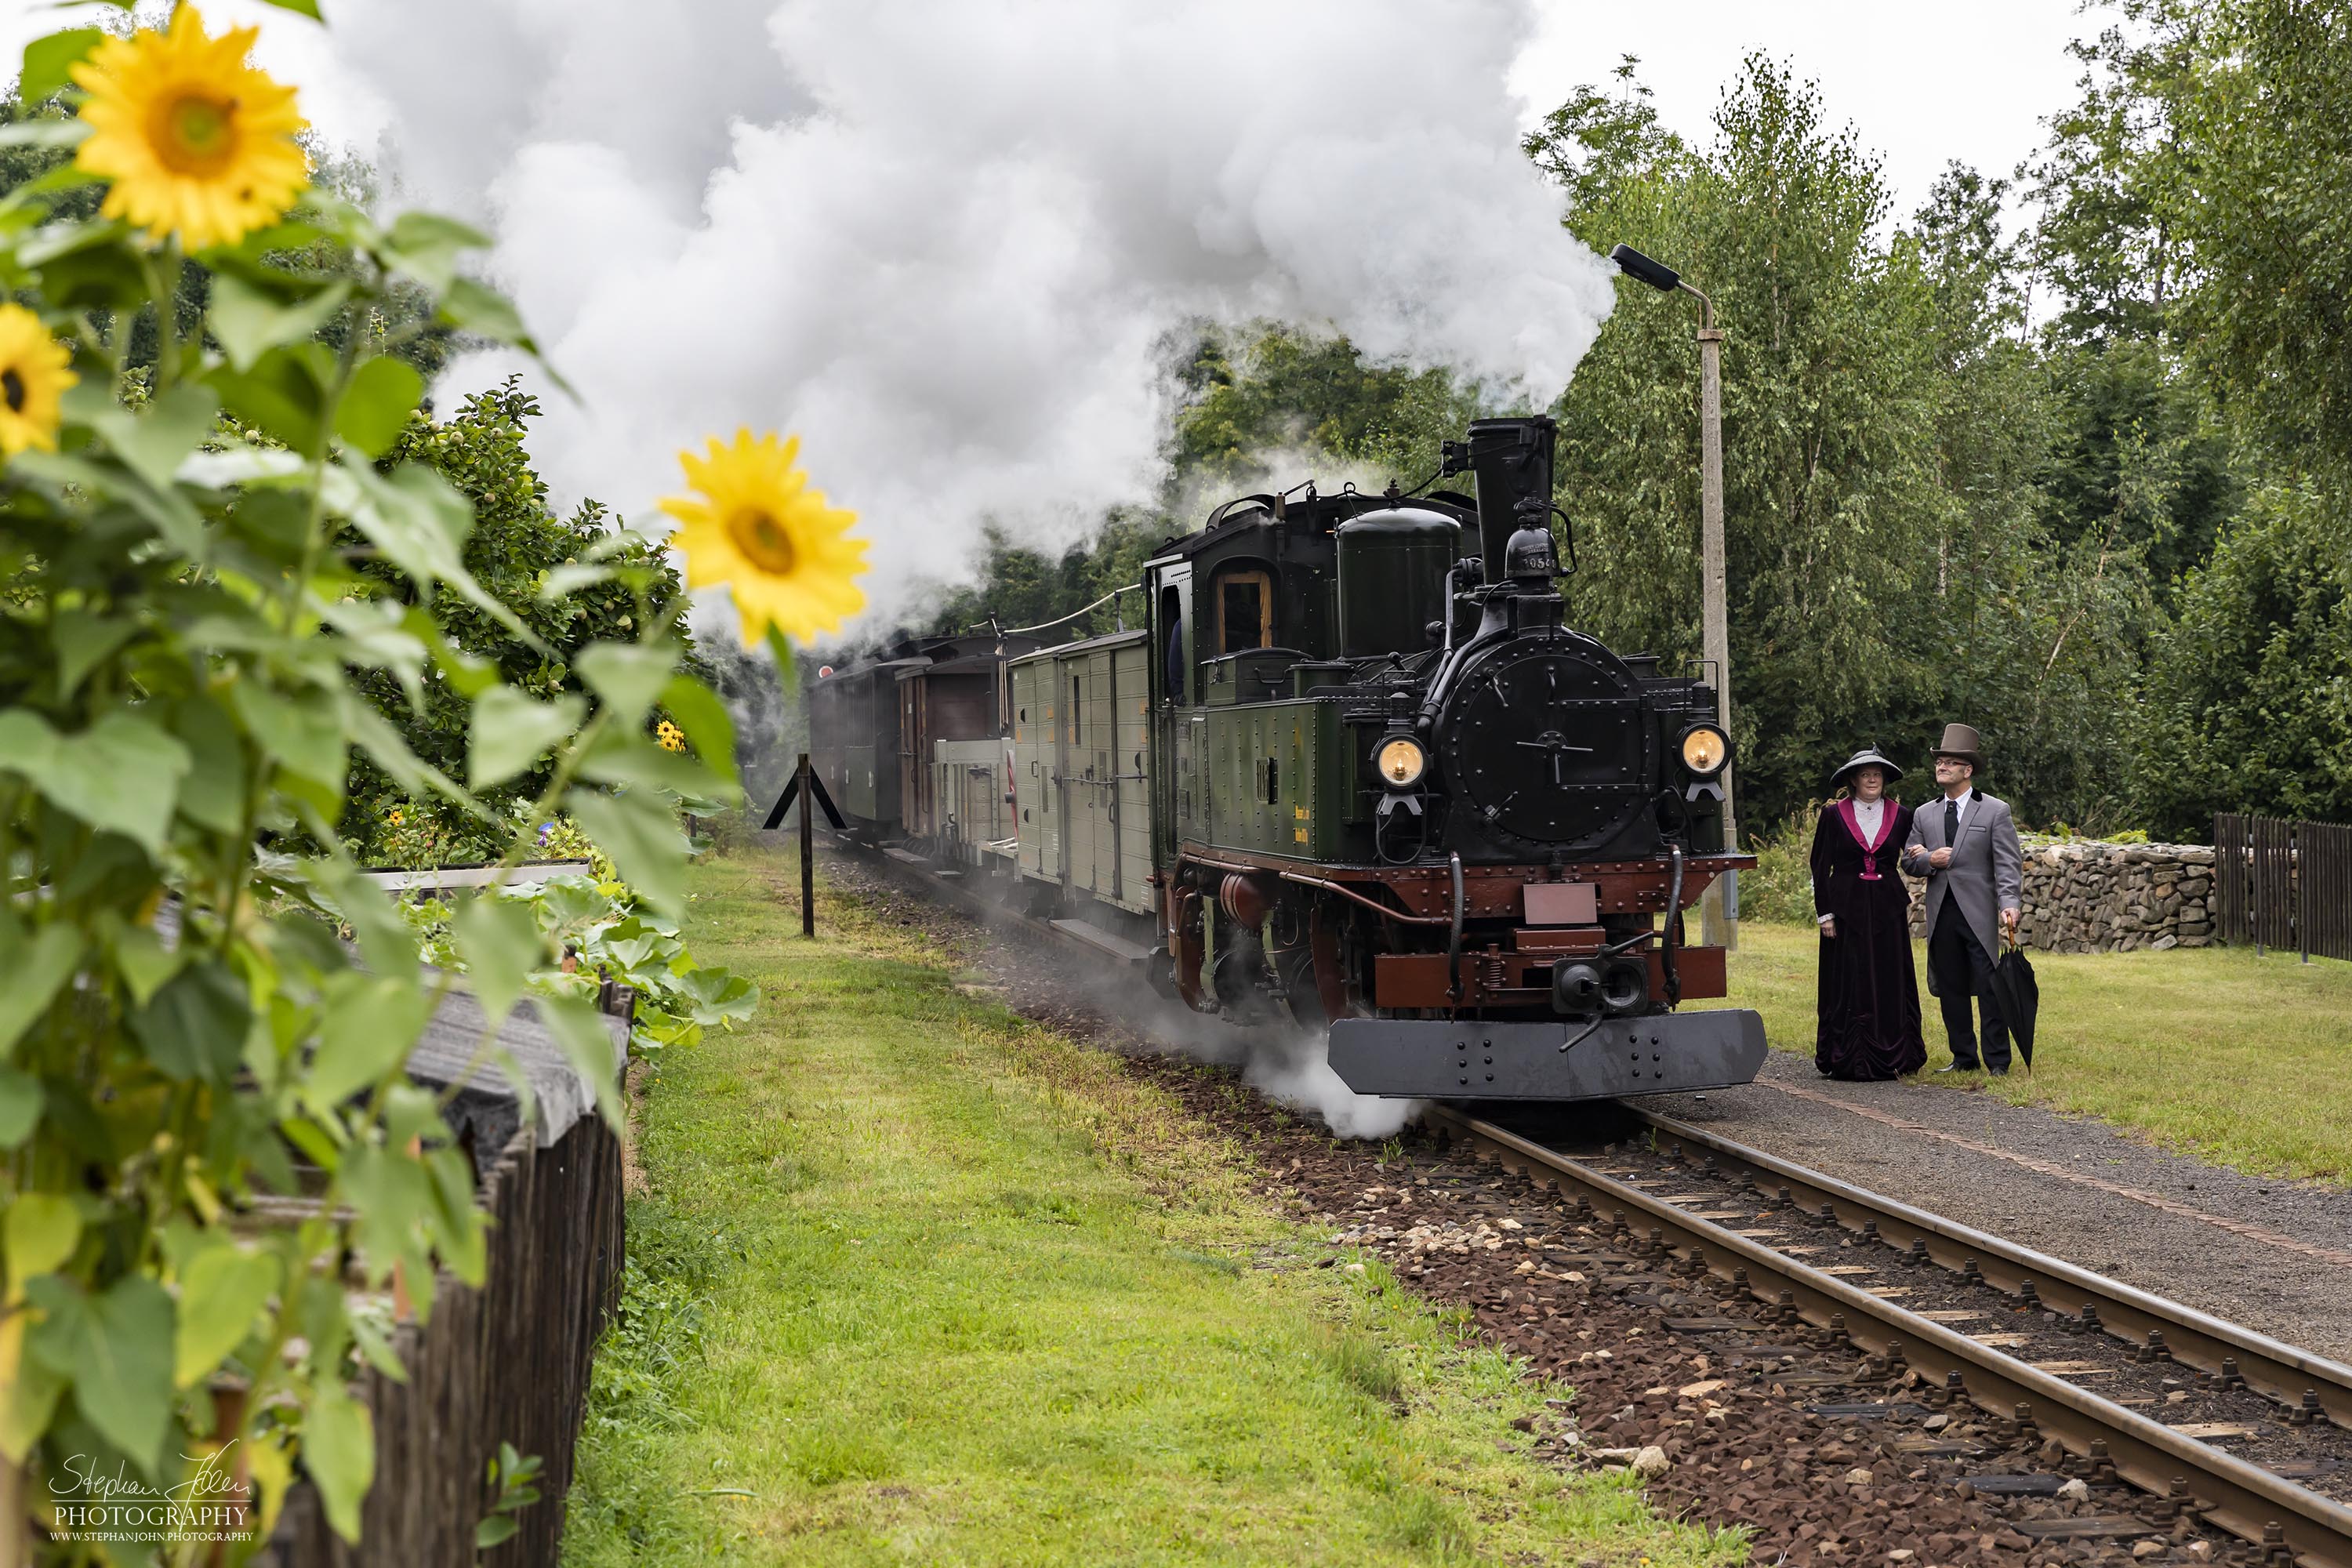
(2017, 1334)
(1750, 1224)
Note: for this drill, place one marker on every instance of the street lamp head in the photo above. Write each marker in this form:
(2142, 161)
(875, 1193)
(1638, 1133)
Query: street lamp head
(1656, 274)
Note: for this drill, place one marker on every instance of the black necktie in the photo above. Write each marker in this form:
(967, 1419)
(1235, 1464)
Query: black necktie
(1951, 824)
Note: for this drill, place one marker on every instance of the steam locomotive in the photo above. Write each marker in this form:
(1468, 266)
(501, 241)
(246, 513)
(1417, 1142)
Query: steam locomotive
(1352, 769)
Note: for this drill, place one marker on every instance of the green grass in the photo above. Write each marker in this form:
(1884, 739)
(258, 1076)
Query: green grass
(917, 1282)
(2242, 1060)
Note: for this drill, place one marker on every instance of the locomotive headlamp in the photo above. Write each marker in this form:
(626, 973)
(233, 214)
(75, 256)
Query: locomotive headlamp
(1400, 762)
(1704, 749)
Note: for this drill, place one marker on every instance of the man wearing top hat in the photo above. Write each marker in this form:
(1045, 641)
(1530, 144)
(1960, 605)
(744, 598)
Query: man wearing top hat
(1966, 845)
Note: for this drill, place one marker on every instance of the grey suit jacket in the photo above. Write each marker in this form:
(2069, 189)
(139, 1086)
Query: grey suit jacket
(1987, 873)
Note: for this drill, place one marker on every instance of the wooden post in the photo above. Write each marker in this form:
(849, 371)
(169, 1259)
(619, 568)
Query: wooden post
(808, 851)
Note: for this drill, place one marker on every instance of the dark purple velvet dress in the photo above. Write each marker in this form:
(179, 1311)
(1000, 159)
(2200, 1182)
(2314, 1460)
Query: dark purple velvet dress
(1869, 992)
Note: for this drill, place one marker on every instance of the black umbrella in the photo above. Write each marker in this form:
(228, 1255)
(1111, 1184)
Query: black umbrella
(2019, 996)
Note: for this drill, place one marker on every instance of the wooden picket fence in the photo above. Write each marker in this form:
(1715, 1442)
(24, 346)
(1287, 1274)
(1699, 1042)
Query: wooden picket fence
(506, 1363)
(2284, 884)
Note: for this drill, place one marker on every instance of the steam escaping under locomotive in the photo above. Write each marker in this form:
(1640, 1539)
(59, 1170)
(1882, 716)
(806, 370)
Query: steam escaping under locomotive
(1352, 769)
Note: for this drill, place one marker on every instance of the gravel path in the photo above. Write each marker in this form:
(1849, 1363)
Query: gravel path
(2304, 1300)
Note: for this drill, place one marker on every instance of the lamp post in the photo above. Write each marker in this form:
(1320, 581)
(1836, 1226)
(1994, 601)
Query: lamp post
(1714, 620)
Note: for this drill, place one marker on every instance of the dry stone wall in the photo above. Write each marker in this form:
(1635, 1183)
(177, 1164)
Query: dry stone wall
(2083, 895)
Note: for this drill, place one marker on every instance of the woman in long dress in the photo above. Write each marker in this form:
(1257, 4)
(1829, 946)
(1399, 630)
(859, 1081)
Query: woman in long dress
(1869, 992)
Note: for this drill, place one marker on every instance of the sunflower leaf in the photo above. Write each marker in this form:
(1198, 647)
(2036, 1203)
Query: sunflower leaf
(705, 720)
(640, 833)
(152, 443)
(626, 677)
(426, 246)
(44, 133)
(509, 733)
(377, 404)
(562, 581)
(249, 321)
(472, 307)
(48, 61)
(121, 774)
(279, 394)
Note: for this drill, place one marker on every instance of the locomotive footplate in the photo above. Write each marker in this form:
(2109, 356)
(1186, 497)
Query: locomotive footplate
(1432, 1059)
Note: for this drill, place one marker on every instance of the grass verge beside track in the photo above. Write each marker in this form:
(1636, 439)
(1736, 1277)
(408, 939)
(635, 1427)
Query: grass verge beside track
(2210, 1051)
(916, 1281)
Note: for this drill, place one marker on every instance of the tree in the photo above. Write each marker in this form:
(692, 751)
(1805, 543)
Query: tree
(1831, 511)
(2249, 702)
(2224, 140)
(2256, 178)
(518, 552)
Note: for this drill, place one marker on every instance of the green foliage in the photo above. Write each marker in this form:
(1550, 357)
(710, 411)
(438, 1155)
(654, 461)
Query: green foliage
(2196, 199)
(601, 931)
(1278, 389)
(1831, 512)
(512, 1479)
(2250, 695)
(202, 625)
(2254, 174)
(555, 586)
(1780, 888)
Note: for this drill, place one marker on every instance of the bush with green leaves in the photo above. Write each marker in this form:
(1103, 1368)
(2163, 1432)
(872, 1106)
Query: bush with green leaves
(601, 931)
(193, 633)
(572, 581)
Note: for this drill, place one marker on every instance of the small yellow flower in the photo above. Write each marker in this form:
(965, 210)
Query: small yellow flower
(33, 375)
(197, 142)
(671, 737)
(757, 527)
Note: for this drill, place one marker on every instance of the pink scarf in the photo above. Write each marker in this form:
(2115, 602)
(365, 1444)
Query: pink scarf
(1870, 847)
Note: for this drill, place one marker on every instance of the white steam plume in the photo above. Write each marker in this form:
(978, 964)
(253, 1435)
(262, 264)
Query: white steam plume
(948, 243)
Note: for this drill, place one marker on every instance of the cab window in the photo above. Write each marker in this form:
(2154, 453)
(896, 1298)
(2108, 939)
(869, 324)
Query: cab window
(1245, 612)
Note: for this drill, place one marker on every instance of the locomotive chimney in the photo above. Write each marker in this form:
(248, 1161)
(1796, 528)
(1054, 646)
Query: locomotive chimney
(1512, 459)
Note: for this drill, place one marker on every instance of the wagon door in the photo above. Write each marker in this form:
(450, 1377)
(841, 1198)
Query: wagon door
(1101, 792)
(1032, 757)
(1075, 866)
(1131, 766)
(914, 748)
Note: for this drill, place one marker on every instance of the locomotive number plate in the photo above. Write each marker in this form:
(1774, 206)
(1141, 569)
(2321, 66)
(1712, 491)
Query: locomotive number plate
(1562, 903)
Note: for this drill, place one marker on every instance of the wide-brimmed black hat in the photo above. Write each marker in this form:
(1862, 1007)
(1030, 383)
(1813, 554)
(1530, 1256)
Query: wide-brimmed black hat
(1869, 756)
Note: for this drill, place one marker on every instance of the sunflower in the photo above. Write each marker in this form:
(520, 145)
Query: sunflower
(197, 142)
(757, 527)
(33, 375)
(671, 737)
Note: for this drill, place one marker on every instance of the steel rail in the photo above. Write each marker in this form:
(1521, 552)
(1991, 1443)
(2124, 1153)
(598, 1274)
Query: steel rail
(2242, 1498)
(2146, 1322)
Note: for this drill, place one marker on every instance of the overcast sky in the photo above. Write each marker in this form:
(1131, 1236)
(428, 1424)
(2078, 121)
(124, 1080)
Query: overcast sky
(955, 276)
(1923, 84)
